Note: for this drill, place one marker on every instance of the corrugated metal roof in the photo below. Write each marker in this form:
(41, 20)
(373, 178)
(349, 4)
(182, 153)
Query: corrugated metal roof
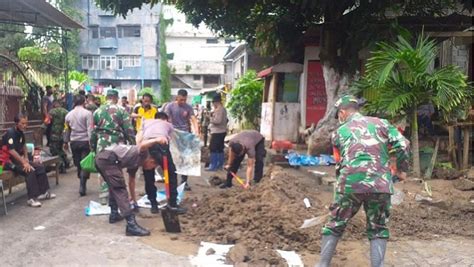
(35, 13)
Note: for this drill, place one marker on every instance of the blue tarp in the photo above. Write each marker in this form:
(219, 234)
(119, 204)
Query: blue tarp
(295, 159)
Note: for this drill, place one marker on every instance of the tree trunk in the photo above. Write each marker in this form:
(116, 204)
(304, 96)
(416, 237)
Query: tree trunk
(415, 148)
(336, 85)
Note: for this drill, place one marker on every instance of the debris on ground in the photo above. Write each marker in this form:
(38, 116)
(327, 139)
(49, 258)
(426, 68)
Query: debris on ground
(216, 180)
(464, 184)
(447, 173)
(270, 214)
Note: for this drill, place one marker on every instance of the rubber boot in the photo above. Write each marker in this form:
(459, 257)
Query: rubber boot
(328, 246)
(227, 183)
(82, 186)
(220, 161)
(377, 251)
(114, 215)
(154, 208)
(213, 165)
(133, 229)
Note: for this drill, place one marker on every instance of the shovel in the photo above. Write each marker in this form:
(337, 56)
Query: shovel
(241, 182)
(170, 218)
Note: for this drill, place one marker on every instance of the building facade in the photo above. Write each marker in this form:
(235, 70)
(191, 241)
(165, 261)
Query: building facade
(195, 54)
(121, 52)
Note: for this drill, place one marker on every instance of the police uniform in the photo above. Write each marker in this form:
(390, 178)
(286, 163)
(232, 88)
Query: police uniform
(363, 178)
(36, 180)
(110, 162)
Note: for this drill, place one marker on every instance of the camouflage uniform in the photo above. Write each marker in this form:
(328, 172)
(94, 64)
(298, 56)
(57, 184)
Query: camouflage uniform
(58, 116)
(363, 171)
(112, 125)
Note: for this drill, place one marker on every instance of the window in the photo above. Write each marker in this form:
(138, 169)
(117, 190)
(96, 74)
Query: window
(107, 32)
(94, 30)
(212, 41)
(128, 31)
(128, 61)
(211, 79)
(107, 63)
(197, 77)
(90, 62)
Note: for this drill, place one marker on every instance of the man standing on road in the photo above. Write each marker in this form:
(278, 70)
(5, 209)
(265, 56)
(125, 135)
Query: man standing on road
(78, 132)
(46, 106)
(252, 144)
(111, 126)
(110, 161)
(218, 127)
(182, 117)
(58, 116)
(363, 177)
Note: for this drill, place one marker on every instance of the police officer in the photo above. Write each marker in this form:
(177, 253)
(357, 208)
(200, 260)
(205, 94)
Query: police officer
(363, 177)
(78, 133)
(252, 144)
(111, 126)
(110, 161)
(58, 116)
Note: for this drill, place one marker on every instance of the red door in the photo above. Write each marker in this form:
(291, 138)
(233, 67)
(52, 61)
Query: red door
(316, 99)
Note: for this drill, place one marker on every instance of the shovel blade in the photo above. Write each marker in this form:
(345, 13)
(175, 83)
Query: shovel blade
(171, 221)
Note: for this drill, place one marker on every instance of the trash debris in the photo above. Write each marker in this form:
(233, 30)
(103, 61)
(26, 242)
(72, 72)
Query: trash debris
(314, 221)
(95, 208)
(143, 202)
(39, 228)
(295, 159)
(306, 202)
(397, 197)
(292, 259)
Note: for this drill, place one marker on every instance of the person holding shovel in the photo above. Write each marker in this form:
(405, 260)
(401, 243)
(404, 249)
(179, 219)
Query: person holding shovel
(252, 144)
(159, 128)
(109, 162)
(363, 177)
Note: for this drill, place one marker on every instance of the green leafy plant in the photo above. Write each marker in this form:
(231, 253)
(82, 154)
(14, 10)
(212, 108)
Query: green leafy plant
(149, 90)
(246, 99)
(399, 75)
(165, 72)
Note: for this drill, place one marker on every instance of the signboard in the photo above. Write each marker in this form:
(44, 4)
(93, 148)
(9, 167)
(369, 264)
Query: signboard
(316, 98)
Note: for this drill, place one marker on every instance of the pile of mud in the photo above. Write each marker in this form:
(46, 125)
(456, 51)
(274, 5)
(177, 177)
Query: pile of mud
(269, 215)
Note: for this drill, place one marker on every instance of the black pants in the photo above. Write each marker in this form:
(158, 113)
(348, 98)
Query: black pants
(217, 142)
(80, 149)
(260, 154)
(47, 132)
(36, 181)
(158, 152)
(109, 168)
(205, 133)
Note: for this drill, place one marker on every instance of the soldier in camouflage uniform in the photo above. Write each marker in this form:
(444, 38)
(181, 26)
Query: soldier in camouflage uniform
(58, 115)
(112, 125)
(363, 177)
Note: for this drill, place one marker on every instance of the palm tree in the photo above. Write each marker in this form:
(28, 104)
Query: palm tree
(400, 77)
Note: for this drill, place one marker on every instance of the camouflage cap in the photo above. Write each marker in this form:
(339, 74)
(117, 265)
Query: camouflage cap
(112, 92)
(345, 101)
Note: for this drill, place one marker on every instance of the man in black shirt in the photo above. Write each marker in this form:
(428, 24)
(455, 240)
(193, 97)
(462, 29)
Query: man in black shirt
(14, 146)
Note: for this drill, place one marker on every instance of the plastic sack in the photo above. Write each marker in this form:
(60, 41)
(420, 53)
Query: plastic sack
(143, 202)
(96, 208)
(88, 163)
(326, 160)
(295, 159)
(186, 151)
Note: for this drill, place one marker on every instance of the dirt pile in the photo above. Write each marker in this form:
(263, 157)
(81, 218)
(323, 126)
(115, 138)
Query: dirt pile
(240, 256)
(267, 216)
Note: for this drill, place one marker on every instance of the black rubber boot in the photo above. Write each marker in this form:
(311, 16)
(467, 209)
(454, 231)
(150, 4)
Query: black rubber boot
(154, 209)
(82, 186)
(133, 229)
(114, 215)
(177, 209)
